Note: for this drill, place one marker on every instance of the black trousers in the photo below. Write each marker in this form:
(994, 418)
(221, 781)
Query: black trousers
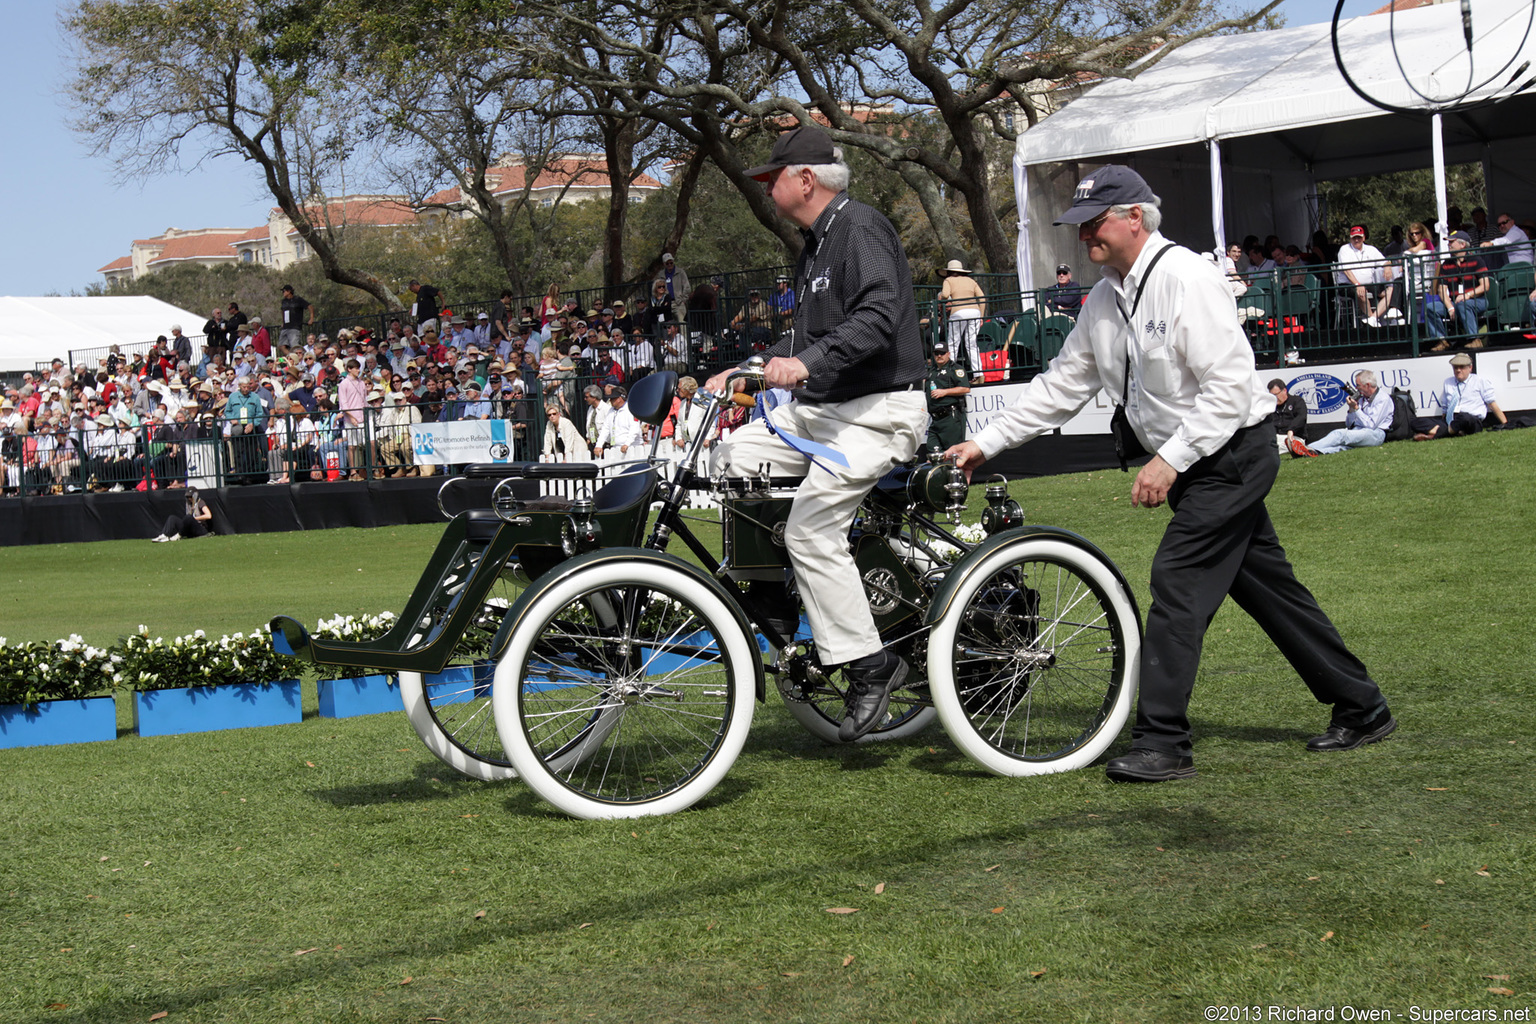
(1221, 542)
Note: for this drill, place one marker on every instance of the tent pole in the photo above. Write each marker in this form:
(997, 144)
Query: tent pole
(1023, 258)
(1437, 140)
(1218, 201)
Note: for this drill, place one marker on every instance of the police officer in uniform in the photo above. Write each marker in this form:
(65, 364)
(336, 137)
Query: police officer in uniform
(947, 388)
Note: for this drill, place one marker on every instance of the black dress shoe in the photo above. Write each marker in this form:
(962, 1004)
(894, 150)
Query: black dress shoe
(1342, 737)
(870, 682)
(1143, 765)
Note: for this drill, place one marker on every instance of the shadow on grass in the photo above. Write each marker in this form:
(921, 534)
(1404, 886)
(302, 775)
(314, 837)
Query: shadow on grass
(432, 780)
(432, 944)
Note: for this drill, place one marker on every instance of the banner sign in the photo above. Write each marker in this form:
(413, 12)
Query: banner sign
(461, 442)
(1513, 372)
(1321, 386)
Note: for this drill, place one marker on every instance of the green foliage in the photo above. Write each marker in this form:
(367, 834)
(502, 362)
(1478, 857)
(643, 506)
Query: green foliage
(32, 671)
(1382, 200)
(197, 659)
(257, 288)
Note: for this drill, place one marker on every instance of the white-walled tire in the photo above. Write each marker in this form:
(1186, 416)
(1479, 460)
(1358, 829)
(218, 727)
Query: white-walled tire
(457, 724)
(1033, 665)
(642, 671)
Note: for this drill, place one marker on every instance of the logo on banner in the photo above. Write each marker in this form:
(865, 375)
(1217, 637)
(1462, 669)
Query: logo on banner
(1323, 392)
(499, 452)
(424, 446)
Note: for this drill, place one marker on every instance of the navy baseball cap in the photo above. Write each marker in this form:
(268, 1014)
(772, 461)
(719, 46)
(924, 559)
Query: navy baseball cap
(1110, 185)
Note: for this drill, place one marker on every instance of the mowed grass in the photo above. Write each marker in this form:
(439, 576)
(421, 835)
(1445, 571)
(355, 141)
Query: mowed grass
(333, 871)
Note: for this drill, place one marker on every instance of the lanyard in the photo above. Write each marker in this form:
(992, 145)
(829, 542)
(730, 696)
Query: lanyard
(810, 273)
(1125, 384)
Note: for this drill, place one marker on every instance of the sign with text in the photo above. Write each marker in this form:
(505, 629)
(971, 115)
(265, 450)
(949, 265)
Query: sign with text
(1321, 386)
(461, 442)
(1513, 372)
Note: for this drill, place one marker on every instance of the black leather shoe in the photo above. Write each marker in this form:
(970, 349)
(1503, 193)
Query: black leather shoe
(1342, 737)
(870, 682)
(1143, 765)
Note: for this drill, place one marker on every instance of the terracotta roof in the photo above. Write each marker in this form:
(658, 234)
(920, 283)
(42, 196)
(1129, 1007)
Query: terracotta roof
(379, 211)
(556, 174)
(1403, 5)
(256, 234)
(192, 247)
(121, 263)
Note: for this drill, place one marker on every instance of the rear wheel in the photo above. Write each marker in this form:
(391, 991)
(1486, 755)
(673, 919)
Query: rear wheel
(618, 698)
(1034, 665)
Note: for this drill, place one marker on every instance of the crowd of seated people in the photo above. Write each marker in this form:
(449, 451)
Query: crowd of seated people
(307, 407)
(1442, 284)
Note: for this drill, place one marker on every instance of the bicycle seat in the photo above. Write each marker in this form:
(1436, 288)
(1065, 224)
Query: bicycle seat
(627, 489)
(651, 397)
(481, 525)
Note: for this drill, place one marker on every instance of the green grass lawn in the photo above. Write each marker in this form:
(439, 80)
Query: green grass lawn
(332, 871)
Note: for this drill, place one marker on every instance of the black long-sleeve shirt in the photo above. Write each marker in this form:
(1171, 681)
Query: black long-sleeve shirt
(856, 319)
(1291, 415)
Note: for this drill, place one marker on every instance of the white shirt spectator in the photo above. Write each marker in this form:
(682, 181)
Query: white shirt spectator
(618, 429)
(1374, 413)
(1371, 272)
(1470, 396)
(1520, 251)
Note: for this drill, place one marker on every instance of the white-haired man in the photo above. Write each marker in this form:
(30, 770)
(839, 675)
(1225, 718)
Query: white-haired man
(856, 358)
(1366, 423)
(1159, 334)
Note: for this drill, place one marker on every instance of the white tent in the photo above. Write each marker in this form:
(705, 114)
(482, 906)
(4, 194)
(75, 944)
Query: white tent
(34, 330)
(1234, 131)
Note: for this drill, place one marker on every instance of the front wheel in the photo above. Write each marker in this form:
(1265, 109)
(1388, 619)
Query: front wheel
(1033, 665)
(620, 697)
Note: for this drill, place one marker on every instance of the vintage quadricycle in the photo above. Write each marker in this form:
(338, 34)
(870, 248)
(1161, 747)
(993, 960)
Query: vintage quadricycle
(559, 640)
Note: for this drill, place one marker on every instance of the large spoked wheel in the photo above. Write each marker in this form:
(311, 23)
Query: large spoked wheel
(619, 698)
(1033, 665)
(451, 711)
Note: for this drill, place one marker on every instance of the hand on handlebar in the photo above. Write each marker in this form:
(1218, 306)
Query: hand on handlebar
(785, 372)
(967, 456)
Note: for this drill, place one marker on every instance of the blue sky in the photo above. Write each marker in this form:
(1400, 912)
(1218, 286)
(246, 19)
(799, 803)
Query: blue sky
(69, 212)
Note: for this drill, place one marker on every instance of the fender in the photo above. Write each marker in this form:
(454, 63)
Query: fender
(943, 597)
(640, 558)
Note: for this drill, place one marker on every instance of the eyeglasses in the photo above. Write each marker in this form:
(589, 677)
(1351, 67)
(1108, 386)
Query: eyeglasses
(1097, 222)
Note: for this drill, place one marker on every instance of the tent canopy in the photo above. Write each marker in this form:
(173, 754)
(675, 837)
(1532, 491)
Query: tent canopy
(36, 330)
(1283, 118)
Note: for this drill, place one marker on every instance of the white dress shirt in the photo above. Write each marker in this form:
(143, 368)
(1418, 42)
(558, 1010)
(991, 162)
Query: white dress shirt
(1521, 251)
(1192, 381)
(1470, 396)
(619, 428)
(1373, 414)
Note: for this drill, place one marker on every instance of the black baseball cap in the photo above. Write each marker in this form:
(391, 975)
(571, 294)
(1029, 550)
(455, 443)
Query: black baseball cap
(797, 146)
(1110, 185)
(1062, 268)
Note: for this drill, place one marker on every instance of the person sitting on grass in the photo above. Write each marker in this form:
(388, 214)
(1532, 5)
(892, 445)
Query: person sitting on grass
(1365, 425)
(195, 520)
(1467, 399)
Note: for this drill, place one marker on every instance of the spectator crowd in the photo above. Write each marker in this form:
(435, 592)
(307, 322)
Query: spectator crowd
(285, 403)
